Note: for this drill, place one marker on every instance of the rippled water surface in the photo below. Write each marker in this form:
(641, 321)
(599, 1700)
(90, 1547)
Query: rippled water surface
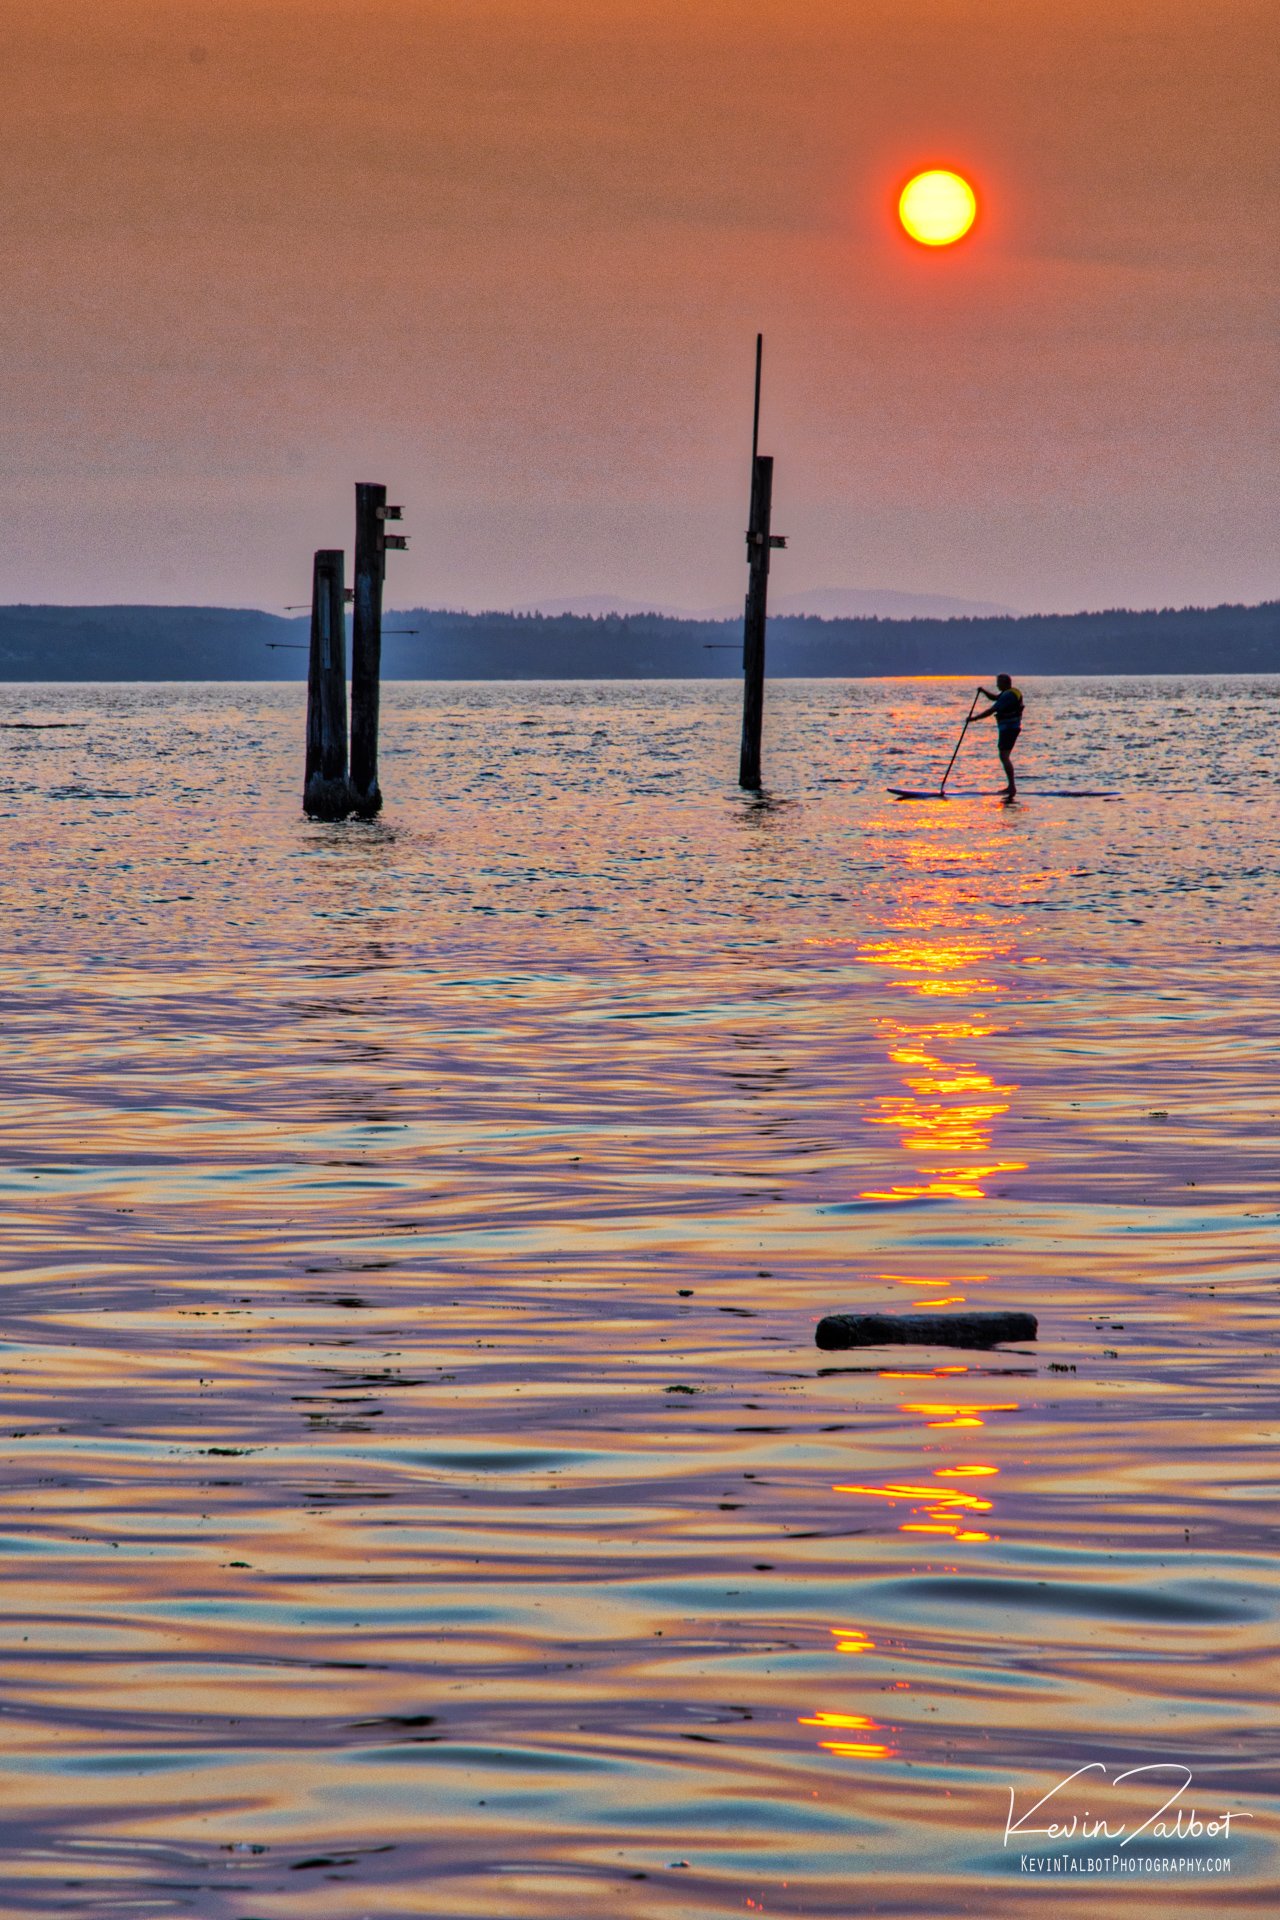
(423, 1492)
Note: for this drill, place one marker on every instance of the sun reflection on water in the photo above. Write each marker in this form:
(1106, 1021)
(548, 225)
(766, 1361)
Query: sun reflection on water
(949, 1104)
(931, 1505)
(841, 1725)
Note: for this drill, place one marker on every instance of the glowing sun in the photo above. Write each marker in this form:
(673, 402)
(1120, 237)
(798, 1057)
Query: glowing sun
(937, 208)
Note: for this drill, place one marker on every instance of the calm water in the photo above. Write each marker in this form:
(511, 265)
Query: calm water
(423, 1493)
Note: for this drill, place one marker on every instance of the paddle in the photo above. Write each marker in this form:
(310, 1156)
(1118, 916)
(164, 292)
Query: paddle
(942, 784)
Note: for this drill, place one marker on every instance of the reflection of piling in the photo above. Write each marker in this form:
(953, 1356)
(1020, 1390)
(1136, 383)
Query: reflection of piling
(760, 542)
(326, 795)
(366, 648)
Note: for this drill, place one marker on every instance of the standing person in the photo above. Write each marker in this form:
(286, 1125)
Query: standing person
(1006, 705)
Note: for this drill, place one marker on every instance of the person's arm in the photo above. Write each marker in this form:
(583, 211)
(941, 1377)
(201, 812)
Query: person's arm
(981, 716)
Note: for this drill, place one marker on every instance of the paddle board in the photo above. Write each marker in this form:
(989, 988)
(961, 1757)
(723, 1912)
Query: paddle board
(997, 793)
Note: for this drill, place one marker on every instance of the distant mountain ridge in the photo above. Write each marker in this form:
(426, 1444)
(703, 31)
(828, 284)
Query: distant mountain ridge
(219, 643)
(827, 603)
(882, 603)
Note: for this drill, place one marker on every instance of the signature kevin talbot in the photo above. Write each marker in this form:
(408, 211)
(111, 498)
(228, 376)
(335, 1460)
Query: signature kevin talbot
(1169, 1817)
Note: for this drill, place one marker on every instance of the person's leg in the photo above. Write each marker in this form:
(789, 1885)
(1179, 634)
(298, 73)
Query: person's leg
(1006, 746)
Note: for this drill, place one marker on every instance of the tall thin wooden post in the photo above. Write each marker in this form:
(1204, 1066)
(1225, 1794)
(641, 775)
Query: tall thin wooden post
(754, 623)
(372, 542)
(760, 543)
(326, 794)
(366, 647)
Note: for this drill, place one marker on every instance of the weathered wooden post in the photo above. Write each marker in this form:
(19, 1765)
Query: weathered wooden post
(760, 542)
(366, 650)
(326, 794)
(372, 541)
(754, 625)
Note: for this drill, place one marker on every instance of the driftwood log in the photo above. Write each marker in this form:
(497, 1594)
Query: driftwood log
(924, 1329)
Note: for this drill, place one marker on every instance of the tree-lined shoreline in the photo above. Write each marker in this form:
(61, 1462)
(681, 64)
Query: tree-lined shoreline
(57, 643)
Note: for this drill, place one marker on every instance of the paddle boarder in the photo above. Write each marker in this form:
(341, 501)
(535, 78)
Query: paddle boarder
(1006, 706)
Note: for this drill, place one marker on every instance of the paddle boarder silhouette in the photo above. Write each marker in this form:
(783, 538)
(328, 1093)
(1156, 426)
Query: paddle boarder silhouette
(1006, 706)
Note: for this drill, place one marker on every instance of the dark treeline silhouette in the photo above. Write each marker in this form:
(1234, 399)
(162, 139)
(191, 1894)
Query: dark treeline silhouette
(214, 643)
(147, 643)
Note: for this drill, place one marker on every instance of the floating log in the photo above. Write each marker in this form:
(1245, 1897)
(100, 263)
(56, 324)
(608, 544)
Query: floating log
(924, 1329)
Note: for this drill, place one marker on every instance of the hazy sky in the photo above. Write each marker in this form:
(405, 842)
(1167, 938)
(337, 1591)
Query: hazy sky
(510, 256)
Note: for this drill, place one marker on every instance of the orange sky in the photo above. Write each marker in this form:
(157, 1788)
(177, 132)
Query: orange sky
(511, 258)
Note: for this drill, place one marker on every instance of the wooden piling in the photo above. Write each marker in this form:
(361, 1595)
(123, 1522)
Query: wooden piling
(326, 793)
(749, 774)
(760, 543)
(366, 647)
